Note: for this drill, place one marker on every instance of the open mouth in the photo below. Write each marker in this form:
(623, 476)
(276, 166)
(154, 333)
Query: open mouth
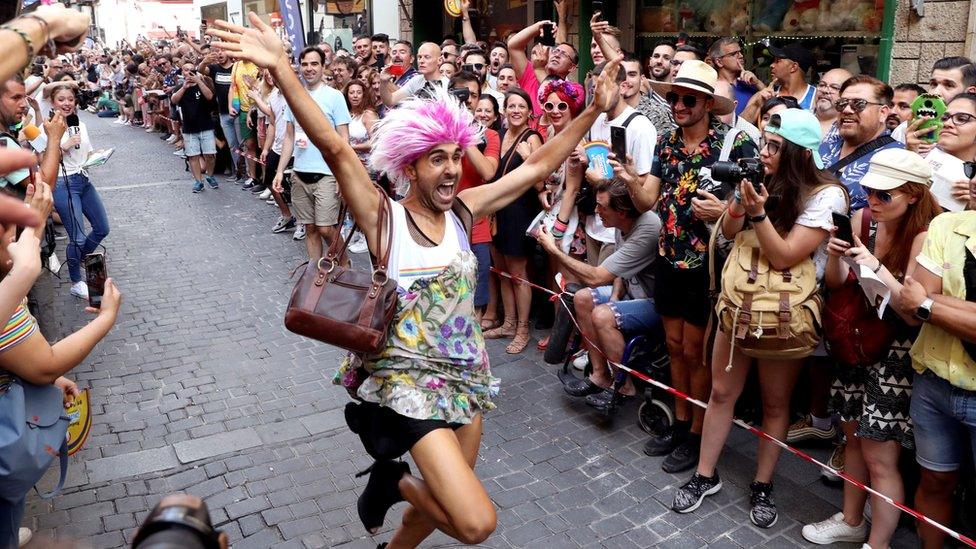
(929, 112)
(445, 192)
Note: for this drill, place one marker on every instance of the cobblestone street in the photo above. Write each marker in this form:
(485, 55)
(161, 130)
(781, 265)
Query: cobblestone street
(201, 389)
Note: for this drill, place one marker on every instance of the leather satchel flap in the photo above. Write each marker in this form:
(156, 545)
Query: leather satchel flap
(43, 404)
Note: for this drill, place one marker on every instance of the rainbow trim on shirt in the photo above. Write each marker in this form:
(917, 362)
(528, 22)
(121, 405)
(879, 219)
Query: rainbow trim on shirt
(422, 272)
(20, 327)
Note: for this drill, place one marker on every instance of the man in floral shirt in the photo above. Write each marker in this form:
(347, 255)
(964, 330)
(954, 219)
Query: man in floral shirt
(688, 200)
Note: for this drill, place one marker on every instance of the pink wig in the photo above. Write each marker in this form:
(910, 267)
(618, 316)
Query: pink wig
(414, 128)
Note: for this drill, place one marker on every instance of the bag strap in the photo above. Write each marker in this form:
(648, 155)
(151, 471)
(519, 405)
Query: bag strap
(728, 144)
(337, 249)
(631, 118)
(876, 143)
(526, 133)
(63, 458)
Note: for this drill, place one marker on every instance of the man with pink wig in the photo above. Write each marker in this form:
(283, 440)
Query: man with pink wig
(426, 391)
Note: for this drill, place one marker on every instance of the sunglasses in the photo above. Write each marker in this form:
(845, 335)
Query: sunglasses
(958, 118)
(856, 105)
(884, 197)
(688, 101)
(473, 67)
(549, 106)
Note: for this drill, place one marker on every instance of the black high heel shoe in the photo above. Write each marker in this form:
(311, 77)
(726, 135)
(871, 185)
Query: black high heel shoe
(381, 492)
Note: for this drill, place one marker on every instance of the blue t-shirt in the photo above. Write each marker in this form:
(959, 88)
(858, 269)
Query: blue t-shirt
(743, 93)
(852, 173)
(333, 105)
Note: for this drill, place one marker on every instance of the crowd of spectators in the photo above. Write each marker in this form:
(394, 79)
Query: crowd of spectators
(637, 233)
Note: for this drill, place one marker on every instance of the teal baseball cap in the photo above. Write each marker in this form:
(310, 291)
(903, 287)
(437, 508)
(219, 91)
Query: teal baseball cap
(800, 127)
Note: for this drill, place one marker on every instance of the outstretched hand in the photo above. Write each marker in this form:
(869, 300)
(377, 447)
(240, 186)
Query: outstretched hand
(606, 91)
(258, 44)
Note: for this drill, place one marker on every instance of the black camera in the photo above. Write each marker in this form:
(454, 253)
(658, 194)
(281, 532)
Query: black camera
(461, 93)
(751, 169)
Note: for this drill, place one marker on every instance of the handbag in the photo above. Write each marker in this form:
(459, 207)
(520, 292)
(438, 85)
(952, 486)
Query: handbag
(853, 333)
(33, 428)
(342, 306)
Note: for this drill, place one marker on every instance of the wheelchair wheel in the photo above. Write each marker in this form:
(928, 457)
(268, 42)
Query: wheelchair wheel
(562, 331)
(654, 417)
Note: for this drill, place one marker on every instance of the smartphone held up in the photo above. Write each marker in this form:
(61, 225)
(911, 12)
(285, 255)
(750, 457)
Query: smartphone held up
(95, 275)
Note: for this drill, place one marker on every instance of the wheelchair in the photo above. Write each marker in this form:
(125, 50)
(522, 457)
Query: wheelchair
(644, 353)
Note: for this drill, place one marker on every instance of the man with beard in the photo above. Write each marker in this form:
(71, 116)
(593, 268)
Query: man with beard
(562, 60)
(219, 67)
(314, 194)
(423, 84)
(682, 267)
(862, 110)
(13, 107)
(475, 62)
(650, 104)
(497, 57)
(728, 59)
(827, 93)
(507, 79)
(363, 49)
(901, 109)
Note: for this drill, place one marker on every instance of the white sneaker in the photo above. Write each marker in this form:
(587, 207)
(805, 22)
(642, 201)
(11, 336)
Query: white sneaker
(265, 194)
(179, 152)
(299, 233)
(835, 530)
(581, 361)
(24, 536)
(80, 289)
(118, 121)
(358, 243)
(171, 139)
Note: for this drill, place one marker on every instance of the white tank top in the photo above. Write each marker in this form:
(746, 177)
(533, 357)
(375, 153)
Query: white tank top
(410, 261)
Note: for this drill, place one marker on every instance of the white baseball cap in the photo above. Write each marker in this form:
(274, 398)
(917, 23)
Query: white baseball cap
(892, 168)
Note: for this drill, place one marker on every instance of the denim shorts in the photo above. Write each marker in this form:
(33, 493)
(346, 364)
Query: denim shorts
(195, 144)
(634, 316)
(945, 420)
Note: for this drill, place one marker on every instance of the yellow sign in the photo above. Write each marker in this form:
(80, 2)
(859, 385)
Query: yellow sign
(81, 421)
(453, 7)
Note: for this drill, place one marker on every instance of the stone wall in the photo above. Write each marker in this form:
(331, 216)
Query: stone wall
(406, 23)
(945, 30)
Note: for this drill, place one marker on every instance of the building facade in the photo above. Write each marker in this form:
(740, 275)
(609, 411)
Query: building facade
(896, 40)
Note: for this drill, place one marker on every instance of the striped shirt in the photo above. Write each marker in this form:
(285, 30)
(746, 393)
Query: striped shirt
(20, 327)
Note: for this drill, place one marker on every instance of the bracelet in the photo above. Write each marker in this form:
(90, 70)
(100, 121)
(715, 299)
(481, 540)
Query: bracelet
(733, 216)
(47, 32)
(878, 268)
(27, 41)
(757, 218)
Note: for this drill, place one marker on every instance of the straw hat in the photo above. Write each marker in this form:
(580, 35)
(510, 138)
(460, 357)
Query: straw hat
(697, 76)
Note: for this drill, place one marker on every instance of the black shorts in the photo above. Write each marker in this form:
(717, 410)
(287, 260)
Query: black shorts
(681, 293)
(386, 434)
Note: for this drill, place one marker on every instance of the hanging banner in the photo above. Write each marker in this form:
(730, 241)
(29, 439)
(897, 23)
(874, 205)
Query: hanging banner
(292, 16)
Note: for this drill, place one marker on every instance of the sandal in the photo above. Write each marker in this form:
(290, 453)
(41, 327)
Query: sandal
(506, 330)
(488, 323)
(520, 341)
(543, 344)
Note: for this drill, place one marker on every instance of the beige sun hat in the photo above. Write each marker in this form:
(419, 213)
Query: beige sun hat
(892, 168)
(697, 76)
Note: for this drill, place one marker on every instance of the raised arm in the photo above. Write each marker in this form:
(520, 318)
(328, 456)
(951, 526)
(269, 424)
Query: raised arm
(467, 31)
(65, 27)
(261, 45)
(518, 42)
(488, 199)
(562, 22)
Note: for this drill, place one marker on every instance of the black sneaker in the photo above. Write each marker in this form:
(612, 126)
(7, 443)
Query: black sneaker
(661, 445)
(283, 224)
(690, 496)
(165, 135)
(249, 184)
(763, 513)
(258, 189)
(684, 456)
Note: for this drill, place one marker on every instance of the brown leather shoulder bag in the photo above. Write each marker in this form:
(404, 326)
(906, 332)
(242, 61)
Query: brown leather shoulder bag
(344, 307)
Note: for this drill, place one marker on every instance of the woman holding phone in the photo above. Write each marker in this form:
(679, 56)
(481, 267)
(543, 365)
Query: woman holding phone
(874, 399)
(75, 198)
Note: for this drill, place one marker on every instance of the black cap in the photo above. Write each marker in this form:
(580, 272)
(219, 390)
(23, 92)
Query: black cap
(795, 53)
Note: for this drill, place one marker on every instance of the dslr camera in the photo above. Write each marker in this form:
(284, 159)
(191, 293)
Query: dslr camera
(731, 172)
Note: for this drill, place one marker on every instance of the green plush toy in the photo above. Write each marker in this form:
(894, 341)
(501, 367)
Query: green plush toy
(932, 107)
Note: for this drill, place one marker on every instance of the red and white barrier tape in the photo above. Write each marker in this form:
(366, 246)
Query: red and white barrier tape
(246, 155)
(758, 432)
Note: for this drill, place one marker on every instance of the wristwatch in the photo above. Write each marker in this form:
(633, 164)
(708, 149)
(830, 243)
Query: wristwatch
(757, 218)
(924, 311)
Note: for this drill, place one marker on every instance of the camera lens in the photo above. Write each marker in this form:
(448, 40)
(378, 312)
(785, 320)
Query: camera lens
(726, 171)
